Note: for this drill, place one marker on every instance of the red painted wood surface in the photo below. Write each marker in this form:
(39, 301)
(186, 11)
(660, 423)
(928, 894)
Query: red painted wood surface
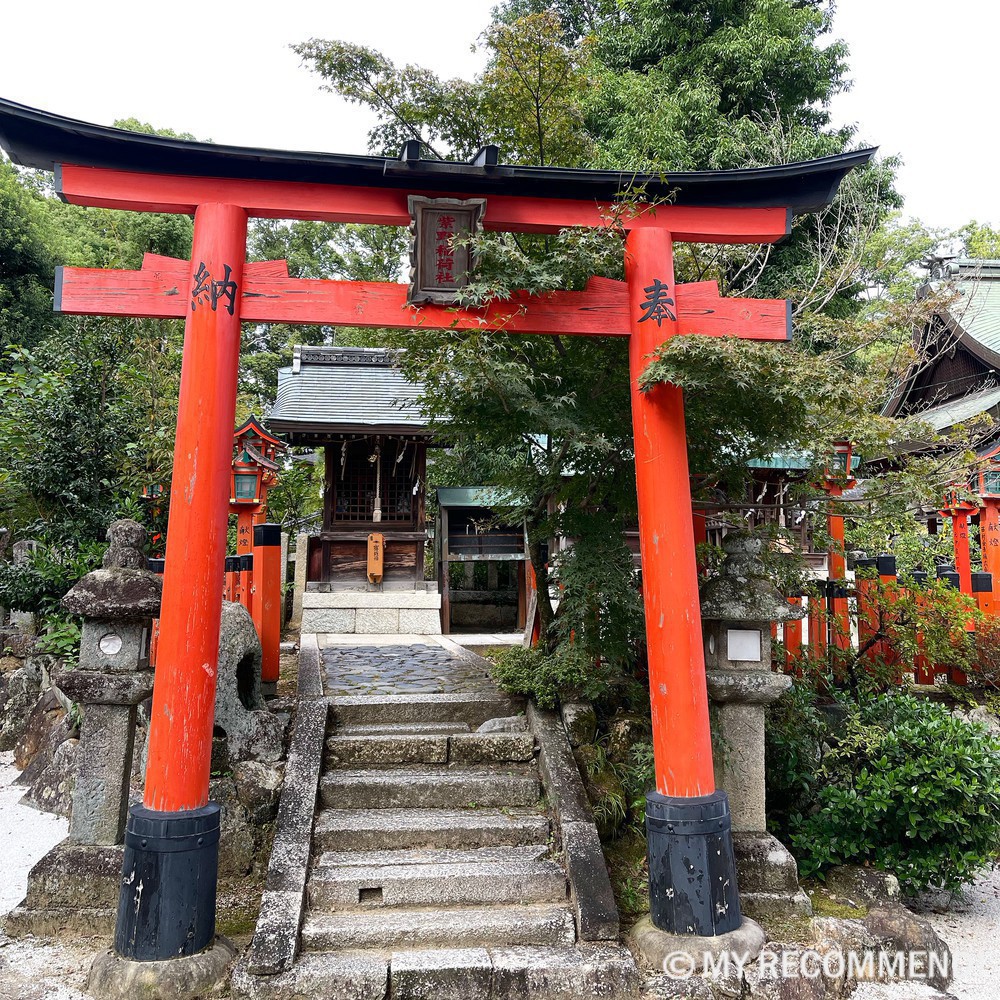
(817, 627)
(840, 617)
(270, 296)
(793, 634)
(180, 733)
(682, 746)
(143, 192)
(266, 608)
(989, 542)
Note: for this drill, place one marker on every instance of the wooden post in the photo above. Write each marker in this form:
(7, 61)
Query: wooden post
(245, 520)
(682, 743)
(177, 917)
(682, 746)
(267, 599)
(840, 618)
(180, 730)
(989, 542)
(793, 635)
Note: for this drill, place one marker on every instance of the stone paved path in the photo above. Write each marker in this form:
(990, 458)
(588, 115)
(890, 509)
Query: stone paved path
(401, 669)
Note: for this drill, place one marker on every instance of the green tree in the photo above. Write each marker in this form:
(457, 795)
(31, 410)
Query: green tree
(687, 84)
(27, 266)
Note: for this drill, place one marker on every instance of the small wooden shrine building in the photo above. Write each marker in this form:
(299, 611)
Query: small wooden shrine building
(356, 405)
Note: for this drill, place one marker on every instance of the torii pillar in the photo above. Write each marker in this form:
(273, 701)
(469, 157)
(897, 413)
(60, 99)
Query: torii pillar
(171, 840)
(692, 869)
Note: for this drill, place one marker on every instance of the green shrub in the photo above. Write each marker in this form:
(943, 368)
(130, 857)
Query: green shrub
(793, 740)
(61, 637)
(549, 678)
(907, 788)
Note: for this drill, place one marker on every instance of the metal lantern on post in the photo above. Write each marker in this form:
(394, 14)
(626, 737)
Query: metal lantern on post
(254, 473)
(841, 464)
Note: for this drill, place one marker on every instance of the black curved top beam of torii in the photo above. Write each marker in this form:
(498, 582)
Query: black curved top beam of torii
(108, 167)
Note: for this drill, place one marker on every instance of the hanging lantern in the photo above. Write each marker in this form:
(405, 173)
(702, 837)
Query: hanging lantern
(254, 467)
(841, 461)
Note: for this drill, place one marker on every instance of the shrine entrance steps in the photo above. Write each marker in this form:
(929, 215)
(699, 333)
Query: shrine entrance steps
(435, 869)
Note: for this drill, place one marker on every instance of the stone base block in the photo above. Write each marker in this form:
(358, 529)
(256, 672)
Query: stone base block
(419, 621)
(766, 906)
(659, 950)
(188, 978)
(375, 621)
(768, 877)
(72, 890)
(337, 620)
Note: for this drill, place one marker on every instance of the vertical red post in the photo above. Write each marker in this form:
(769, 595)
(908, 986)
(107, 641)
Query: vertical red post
(180, 731)
(817, 627)
(865, 587)
(682, 743)
(266, 605)
(244, 530)
(989, 542)
(232, 588)
(171, 841)
(963, 560)
(246, 581)
(837, 570)
(793, 635)
(685, 796)
(959, 511)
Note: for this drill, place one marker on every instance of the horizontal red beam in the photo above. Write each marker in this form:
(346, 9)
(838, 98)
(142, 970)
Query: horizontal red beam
(139, 192)
(160, 291)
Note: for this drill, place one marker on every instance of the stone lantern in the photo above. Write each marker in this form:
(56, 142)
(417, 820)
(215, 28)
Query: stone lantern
(118, 603)
(737, 608)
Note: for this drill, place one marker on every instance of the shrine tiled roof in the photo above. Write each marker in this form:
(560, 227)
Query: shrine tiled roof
(976, 310)
(336, 390)
(957, 411)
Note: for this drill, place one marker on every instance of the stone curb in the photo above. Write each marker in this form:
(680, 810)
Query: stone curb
(275, 940)
(310, 669)
(590, 885)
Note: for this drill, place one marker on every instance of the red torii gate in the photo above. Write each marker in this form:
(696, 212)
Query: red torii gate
(687, 818)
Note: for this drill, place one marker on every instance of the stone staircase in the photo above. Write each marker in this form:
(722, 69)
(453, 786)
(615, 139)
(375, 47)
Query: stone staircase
(434, 870)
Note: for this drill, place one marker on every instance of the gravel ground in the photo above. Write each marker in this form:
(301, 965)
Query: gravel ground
(32, 969)
(971, 927)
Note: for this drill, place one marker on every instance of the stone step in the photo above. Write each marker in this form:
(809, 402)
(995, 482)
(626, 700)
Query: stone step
(471, 709)
(607, 971)
(380, 749)
(438, 884)
(382, 829)
(427, 856)
(444, 788)
(537, 924)
(403, 729)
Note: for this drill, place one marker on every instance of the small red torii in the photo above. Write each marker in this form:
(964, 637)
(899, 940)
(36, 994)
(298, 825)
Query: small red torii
(217, 289)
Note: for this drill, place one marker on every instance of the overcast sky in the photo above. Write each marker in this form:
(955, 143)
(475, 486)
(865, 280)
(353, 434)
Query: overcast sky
(923, 75)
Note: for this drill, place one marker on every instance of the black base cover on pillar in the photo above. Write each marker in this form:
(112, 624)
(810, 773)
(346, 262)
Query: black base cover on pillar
(692, 868)
(166, 905)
